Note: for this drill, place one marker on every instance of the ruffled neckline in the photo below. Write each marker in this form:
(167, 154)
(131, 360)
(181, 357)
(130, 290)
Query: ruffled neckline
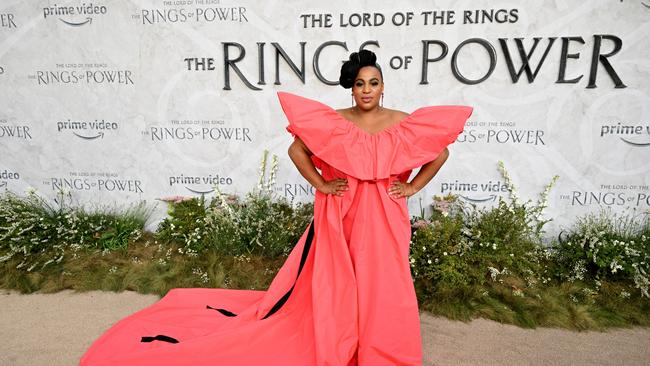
(354, 125)
(416, 139)
(383, 130)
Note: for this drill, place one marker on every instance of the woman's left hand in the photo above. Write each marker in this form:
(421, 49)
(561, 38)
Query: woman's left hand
(399, 189)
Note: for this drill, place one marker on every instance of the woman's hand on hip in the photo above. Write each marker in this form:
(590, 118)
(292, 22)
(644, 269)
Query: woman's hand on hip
(335, 186)
(399, 189)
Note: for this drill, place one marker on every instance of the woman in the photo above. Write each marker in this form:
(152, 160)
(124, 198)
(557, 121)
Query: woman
(344, 296)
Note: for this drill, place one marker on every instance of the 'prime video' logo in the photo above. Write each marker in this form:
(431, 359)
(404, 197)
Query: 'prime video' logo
(86, 9)
(87, 130)
(193, 183)
(626, 131)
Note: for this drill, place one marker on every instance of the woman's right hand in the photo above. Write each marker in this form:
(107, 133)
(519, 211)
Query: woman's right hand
(335, 186)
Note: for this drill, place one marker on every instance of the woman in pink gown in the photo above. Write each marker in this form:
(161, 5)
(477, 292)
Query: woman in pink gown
(345, 294)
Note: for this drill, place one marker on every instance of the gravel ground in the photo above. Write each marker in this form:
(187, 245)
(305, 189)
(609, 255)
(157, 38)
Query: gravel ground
(55, 329)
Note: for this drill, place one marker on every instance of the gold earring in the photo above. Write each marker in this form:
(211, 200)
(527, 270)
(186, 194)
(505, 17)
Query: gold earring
(382, 99)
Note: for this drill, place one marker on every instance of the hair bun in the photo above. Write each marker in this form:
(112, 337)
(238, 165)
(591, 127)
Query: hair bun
(351, 67)
(366, 57)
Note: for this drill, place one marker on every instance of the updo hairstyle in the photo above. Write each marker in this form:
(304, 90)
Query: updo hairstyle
(351, 67)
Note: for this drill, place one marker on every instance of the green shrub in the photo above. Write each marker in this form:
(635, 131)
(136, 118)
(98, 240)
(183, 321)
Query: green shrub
(606, 246)
(460, 253)
(30, 225)
(261, 224)
(461, 248)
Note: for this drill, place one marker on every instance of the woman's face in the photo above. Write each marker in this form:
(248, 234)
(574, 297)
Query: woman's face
(367, 88)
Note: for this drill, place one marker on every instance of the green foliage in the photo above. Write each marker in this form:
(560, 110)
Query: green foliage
(30, 226)
(259, 225)
(185, 223)
(262, 226)
(457, 254)
(145, 266)
(461, 248)
(606, 245)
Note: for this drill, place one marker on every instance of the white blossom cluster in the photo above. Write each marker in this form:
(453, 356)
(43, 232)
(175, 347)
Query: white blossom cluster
(615, 255)
(494, 273)
(32, 226)
(203, 275)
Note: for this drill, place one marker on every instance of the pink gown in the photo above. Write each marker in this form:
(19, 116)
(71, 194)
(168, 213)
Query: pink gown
(345, 294)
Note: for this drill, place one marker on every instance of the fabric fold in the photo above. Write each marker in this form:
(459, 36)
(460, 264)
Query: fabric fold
(410, 143)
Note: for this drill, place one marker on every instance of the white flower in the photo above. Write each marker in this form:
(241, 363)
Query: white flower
(615, 266)
(444, 253)
(429, 261)
(494, 273)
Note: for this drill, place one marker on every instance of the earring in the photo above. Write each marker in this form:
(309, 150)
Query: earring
(382, 99)
(352, 98)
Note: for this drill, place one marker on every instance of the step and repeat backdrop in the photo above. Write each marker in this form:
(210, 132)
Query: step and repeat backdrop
(122, 101)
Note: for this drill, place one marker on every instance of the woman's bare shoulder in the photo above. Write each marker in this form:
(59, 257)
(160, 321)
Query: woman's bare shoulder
(344, 111)
(396, 115)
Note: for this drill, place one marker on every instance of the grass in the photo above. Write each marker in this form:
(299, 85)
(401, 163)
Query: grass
(145, 267)
(551, 306)
(148, 267)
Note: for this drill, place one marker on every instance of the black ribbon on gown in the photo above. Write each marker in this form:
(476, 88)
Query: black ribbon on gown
(278, 305)
(159, 337)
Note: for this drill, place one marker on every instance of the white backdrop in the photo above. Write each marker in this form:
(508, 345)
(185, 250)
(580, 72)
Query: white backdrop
(117, 101)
